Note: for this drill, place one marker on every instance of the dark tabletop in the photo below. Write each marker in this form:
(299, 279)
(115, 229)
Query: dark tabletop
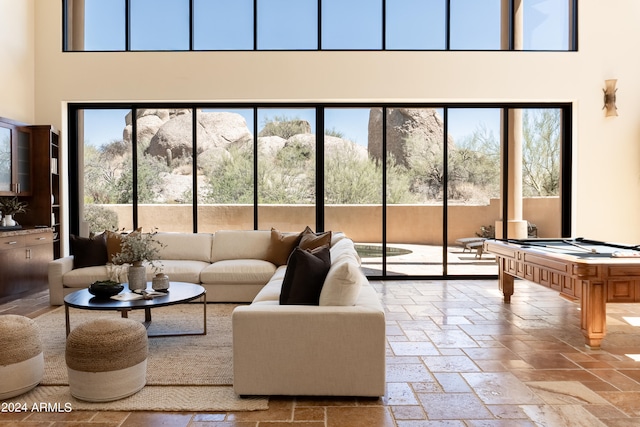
(178, 292)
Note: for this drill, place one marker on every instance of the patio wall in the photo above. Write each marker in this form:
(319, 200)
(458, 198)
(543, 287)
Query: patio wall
(415, 224)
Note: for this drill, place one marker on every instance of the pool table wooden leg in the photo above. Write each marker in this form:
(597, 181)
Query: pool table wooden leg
(593, 316)
(505, 282)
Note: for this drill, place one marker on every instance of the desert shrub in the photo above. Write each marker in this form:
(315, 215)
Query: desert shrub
(229, 177)
(150, 182)
(333, 132)
(284, 127)
(100, 218)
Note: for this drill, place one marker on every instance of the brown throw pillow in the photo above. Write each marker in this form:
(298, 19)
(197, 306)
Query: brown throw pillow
(311, 240)
(88, 252)
(280, 246)
(114, 242)
(305, 275)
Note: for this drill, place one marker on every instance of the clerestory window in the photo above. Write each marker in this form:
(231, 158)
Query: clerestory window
(246, 25)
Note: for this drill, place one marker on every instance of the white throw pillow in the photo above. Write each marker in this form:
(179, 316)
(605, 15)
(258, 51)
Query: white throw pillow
(342, 249)
(342, 284)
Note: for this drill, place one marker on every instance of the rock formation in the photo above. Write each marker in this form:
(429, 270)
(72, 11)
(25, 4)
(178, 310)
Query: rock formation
(423, 126)
(172, 130)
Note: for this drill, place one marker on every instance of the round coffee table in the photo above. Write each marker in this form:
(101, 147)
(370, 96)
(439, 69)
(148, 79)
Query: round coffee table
(178, 293)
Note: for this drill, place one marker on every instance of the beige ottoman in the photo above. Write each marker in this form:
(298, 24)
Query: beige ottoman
(21, 358)
(107, 359)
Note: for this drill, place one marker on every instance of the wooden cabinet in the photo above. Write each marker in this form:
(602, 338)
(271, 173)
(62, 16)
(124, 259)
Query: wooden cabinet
(44, 201)
(29, 169)
(15, 159)
(24, 257)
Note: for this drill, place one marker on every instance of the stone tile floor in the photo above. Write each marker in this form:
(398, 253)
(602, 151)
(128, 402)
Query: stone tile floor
(457, 356)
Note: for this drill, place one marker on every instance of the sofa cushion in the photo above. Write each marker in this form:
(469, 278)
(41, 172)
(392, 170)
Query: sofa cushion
(179, 270)
(187, 246)
(342, 284)
(305, 274)
(311, 240)
(344, 249)
(270, 291)
(88, 252)
(83, 277)
(246, 271)
(240, 244)
(280, 246)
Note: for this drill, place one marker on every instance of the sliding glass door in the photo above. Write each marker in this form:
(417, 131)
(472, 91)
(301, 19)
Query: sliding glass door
(473, 187)
(353, 180)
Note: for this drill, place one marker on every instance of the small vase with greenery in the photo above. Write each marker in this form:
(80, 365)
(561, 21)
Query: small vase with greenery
(135, 248)
(138, 247)
(10, 206)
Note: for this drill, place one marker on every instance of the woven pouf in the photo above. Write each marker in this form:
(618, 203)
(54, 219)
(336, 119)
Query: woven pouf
(107, 359)
(21, 358)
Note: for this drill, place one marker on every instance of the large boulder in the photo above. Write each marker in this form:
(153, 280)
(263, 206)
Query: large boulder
(270, 145)
(421, 126)
(149, 120)
(214, 130)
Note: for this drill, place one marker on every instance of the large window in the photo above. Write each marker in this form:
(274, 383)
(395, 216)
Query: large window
(225, 169)
(412, 185)
(286, 181)
(219, 25)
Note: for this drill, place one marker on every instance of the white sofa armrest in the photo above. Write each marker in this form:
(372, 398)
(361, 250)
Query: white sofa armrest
(308, 350)
(57, 269)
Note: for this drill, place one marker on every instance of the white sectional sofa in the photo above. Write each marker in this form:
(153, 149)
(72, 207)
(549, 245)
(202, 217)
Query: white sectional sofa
(333, 348)
(229, 264)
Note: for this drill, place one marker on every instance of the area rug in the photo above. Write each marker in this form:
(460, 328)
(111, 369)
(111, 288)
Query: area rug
(184, 373)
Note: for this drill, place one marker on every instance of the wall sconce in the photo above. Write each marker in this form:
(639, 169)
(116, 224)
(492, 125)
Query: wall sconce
(610, 97)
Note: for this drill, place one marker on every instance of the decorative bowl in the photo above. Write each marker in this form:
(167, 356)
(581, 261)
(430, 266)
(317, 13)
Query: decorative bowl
(105, 288)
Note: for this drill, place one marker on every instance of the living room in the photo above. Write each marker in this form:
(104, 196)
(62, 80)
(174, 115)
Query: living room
(39, 82)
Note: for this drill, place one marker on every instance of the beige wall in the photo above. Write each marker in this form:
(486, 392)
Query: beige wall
(17, 64)
(607, 150)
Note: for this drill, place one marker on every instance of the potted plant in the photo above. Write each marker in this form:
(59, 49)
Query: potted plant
(11, 206)
(137, 247)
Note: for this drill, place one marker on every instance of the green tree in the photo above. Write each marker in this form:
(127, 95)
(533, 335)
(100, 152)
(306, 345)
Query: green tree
(102, 170)
(149, 174)
(541, 152)
(474, 167)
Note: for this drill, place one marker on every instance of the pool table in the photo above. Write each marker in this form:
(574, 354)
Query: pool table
(590, 271)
